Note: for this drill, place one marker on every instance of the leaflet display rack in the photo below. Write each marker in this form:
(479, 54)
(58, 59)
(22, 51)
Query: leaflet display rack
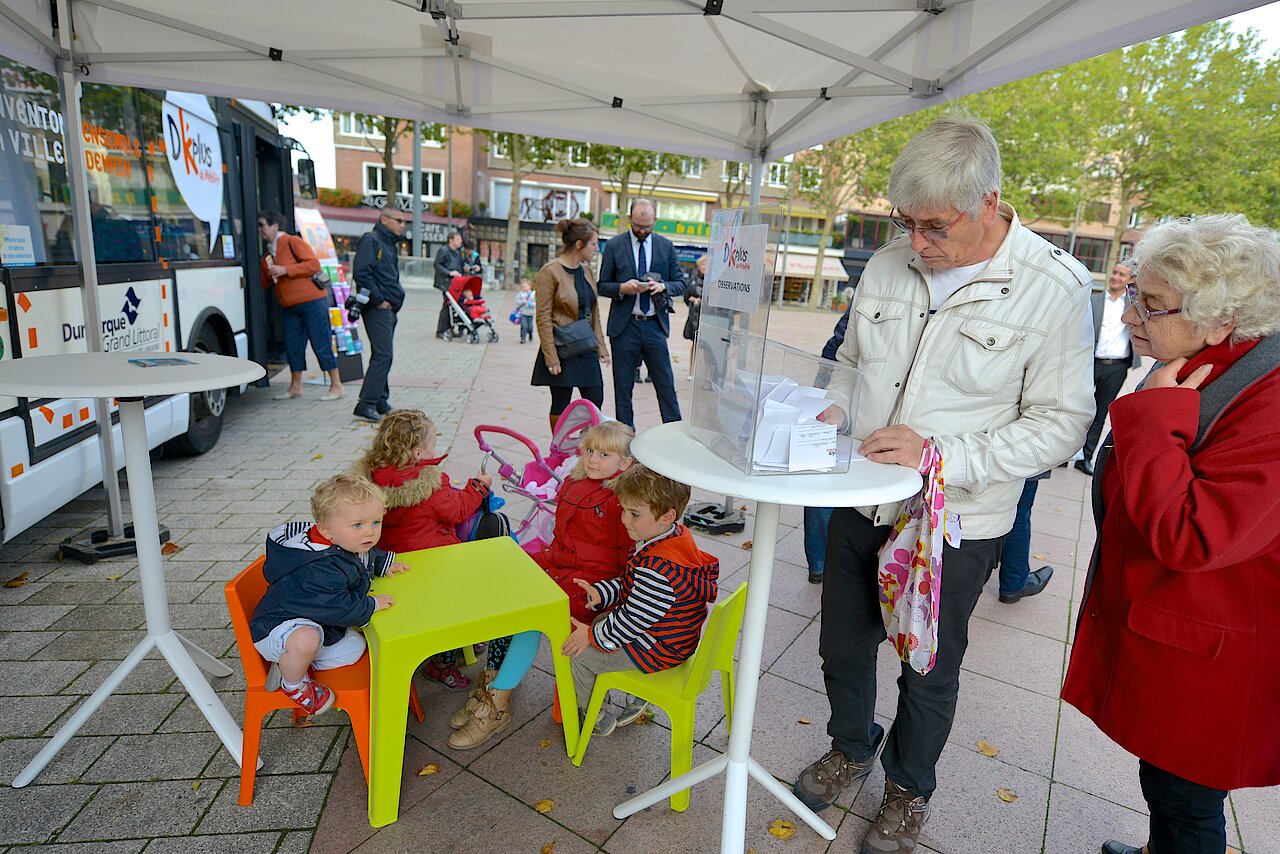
(755, 401)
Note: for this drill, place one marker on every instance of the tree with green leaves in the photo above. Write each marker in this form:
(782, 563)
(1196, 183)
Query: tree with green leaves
(634, 171)
(526, 154)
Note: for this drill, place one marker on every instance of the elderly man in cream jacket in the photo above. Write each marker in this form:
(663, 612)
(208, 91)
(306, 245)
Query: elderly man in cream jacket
(975, 335)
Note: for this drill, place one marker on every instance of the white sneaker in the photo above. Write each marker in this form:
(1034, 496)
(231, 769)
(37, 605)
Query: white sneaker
(634, 709)
(605, 724)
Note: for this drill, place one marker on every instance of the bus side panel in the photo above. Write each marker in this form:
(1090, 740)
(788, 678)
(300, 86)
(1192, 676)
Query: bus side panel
(6, 342)
(29, 493)
(218, 288)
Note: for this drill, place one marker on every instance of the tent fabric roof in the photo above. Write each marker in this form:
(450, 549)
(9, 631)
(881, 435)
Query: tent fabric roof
(768, 77)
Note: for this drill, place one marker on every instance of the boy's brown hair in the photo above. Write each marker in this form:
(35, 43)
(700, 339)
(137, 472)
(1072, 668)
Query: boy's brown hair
(640, 485)
(342, 489)
(612, 436)
(399, 432)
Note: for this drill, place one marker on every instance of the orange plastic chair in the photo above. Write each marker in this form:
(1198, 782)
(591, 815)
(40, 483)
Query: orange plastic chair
(350, 684)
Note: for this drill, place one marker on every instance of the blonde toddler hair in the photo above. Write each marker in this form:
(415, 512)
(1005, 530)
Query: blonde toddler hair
(342, 489)
(399, 432)
(612, 436)
(640, 485)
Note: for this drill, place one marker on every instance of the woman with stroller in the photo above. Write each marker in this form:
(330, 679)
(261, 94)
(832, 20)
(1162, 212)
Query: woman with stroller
(565, 290)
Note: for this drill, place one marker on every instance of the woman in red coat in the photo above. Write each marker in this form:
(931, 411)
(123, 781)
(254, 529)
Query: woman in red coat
(1177, 649)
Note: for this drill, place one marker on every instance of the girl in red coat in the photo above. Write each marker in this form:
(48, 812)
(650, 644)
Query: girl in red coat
(423, 509)
(590, 544)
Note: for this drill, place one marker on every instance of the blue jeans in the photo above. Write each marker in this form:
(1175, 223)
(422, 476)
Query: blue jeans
(526, 327)
(308, 321)
(1014, 564)
(643, 341)
(816, 520)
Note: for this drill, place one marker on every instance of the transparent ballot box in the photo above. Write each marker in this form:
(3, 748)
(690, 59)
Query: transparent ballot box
(756, 404)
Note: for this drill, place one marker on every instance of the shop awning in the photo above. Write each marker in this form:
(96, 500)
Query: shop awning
(803, 266)
(732, 79)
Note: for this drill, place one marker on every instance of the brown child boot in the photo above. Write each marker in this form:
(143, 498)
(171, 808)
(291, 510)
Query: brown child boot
(491, 718)
(460, 718)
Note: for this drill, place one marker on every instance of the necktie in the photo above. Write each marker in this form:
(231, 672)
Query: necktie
(642, 267)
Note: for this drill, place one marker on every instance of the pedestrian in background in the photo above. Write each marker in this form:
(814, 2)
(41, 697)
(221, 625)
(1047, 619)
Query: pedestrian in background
(1113, 355)
(693, 301)
(817, 519)
(447, 266)
(1017, 581)
(376, 271)
(526, 310)
(1175, 655)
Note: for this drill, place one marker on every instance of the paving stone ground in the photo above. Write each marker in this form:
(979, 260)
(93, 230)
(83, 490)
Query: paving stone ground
(146, 774)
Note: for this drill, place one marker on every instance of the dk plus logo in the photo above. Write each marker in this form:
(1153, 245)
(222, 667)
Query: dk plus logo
(736, 255)
(195, 156)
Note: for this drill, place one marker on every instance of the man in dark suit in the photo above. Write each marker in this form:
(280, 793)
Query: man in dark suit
(1113, 355)
(448, 266)
(641, 274)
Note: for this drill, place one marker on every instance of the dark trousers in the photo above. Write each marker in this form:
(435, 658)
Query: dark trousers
(852, 631)
(1014, 563)
(1107, 380)
(380, 329)
(1186, 817)
(445, 320)
(308, 321)
(562, 396)
(643, 341)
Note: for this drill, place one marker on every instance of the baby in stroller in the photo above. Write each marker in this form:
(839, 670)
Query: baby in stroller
(475, 307)
(467, 312)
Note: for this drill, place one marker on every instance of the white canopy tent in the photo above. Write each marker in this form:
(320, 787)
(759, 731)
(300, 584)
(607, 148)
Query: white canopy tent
(734, 79)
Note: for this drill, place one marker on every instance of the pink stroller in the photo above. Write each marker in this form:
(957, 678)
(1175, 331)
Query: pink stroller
(540, 477)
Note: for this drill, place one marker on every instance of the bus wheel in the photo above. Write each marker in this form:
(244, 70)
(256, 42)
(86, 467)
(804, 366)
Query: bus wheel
(204, 424)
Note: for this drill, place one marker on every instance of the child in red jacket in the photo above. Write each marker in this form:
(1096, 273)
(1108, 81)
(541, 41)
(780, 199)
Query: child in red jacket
(590, 544)
(423, 509)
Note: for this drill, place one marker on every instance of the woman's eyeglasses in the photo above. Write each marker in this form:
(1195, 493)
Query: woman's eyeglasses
(1139, 308)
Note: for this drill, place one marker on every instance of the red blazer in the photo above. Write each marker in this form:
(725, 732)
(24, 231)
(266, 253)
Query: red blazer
(1177, 650)
(423, 510)
(590, 542)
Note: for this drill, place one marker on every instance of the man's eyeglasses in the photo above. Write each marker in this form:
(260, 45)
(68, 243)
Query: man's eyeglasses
(403, 220)
(1139, 308)
(932, 232)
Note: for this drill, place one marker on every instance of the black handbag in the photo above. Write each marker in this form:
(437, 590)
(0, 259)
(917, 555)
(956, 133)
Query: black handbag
(321, 280)
(575, 339)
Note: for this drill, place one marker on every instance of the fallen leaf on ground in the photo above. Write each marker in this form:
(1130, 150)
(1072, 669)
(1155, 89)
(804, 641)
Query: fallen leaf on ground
(804, 721)
(318, 457)
(987, 749)
(303, 723)
(746, 546)
(195, 785)
(742, 507)
(545, 806)
(549, 847)
(113, 578)
(1006, 795)
(1039, 556)
(644, 719)
(428, 770)
(782, 828)
(751, 851)
(546, 742)
(18, 580)
(170, 549)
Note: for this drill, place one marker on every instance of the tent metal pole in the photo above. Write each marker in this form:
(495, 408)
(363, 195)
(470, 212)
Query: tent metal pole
(415, 187)
(81, 217)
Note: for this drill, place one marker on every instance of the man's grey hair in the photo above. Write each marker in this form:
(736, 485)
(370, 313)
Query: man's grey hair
(452, 234)
(1225, 268)
(642, 201)
(952, 163)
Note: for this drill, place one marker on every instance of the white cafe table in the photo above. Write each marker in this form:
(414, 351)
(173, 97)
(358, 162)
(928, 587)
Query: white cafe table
(672, 451)
(111, 375)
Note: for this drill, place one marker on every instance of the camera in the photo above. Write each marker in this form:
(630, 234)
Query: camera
(356, 303)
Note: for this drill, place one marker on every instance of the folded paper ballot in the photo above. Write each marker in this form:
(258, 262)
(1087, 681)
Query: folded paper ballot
(788, 435)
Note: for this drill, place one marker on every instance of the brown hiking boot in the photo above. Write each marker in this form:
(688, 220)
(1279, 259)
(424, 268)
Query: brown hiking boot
(898, 825)
(492, 717)
(819, 785)
(459, 718)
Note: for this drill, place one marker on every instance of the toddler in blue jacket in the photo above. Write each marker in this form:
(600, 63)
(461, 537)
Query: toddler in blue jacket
(318, 576)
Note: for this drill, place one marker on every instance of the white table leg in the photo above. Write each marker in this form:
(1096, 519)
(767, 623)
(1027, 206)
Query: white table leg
(662, 791)
(204, 660)
(202, 694)
(82, 714)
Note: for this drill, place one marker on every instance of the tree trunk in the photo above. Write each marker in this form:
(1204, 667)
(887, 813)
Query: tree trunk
(390, 181)
(515, 151)
(815, 291)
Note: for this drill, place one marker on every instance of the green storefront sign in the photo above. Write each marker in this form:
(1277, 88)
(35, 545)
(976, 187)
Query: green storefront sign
(677, 227)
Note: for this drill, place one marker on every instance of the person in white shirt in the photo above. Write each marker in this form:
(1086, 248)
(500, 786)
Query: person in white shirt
(1112, 354)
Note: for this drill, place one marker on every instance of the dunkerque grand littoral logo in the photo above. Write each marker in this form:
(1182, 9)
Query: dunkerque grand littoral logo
(130, 307)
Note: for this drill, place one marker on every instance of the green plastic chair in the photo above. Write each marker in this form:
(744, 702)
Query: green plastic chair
(676, 690)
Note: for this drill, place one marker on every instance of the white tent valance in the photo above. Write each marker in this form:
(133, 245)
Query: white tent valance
(731, 79)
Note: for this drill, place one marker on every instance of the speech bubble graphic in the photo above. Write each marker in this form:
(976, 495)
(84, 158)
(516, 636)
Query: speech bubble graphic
(195, 156)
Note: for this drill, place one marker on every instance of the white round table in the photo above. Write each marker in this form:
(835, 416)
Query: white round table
(113, 375)
(671, 450)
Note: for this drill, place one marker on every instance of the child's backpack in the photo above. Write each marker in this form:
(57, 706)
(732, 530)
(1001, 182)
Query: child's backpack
(487, 523)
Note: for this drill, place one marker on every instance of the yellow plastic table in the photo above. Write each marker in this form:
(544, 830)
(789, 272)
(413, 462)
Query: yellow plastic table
(453, 596)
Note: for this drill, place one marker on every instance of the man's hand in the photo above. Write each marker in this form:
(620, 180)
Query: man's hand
(579, 640)
(383, 304)
(1167, 377)
(453, 274)
(593, 595)
(382, 601)
(632, 286)
(897, 444)
(654, 286)
(397, 568)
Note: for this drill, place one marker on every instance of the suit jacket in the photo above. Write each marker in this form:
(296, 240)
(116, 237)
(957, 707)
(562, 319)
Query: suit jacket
(618, 265)
(447, 259)
(1098, 302)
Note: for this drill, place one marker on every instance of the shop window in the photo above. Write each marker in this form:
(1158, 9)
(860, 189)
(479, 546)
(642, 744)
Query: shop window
(33, 170)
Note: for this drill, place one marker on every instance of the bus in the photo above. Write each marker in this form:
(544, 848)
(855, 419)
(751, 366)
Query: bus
(176, 182)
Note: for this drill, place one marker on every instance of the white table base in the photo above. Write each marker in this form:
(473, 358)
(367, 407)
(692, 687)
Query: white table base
(737, 764)
(183, 656)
